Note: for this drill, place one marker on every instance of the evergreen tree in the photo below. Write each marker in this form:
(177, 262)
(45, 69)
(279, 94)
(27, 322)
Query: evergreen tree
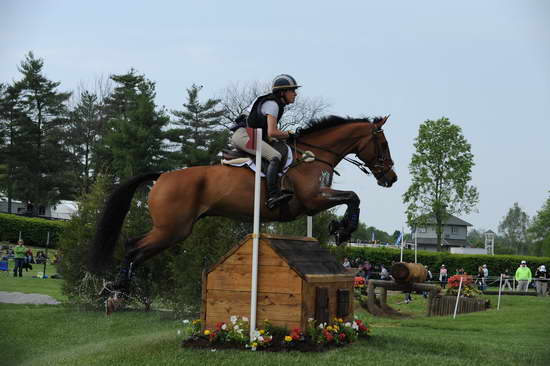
(40, 172)
(133, 140)
(200, 134)
(83, 133)
(441, 171)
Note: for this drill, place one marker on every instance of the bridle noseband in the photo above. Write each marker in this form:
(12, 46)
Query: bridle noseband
(379, 170)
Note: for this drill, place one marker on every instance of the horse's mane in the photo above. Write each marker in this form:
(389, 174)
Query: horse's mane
(319, 124)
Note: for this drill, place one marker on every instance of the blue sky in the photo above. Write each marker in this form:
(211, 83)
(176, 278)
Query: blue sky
(483, 64)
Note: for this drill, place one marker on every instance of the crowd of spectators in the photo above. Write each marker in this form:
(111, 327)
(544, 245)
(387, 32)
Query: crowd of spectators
(522, 277)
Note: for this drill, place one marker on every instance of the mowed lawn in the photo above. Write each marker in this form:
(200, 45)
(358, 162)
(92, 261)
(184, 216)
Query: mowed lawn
(518, 334)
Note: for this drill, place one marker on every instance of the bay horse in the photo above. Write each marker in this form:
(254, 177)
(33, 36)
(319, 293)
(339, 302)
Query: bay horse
(180, 198)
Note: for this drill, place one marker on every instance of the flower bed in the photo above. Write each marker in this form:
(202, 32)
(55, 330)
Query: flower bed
(235, 334)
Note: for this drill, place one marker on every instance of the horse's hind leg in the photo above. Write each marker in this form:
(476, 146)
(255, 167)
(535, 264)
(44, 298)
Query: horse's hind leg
(141, 248)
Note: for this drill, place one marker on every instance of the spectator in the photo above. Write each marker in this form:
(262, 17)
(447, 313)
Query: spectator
(429, 277)
(443, 276)
(484, 277)
(367, 268)
(384, 274)
(523, 276)
(506, 278)
(29, 256)
(541, 275)
(19, 251)
(460, 271)
(346, 263)
(479, 278)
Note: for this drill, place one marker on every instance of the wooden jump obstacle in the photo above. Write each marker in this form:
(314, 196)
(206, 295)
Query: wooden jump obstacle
(408, 277)
(297, 280)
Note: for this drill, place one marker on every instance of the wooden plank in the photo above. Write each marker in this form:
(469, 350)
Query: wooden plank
(266, 257)
(243, 297)
(270, 279)
(276, 314)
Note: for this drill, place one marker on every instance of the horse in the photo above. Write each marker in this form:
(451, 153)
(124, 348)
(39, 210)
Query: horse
(180, 198)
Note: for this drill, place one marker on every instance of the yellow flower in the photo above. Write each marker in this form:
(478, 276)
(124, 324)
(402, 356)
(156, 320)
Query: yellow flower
(288, 339)
(254, 344)
(262, 332)
(196, 321)
(206, 332)
(336, 328)
(340, 320)
(329, 328)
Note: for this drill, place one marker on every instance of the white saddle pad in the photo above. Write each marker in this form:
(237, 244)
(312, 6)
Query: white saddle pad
(251, 163)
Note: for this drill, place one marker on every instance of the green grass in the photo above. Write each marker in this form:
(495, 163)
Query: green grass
(56, 335)
(29, 285)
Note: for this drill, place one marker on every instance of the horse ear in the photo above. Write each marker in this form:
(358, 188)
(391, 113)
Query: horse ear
(381, 121)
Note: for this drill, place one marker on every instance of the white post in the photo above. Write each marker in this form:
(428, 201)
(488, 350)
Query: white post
(402, 242)
(499, 291)
(256, 233)
(415, 246)
(310, 226)
(458, 296)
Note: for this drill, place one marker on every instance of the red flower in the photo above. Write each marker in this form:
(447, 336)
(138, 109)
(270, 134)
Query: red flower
(362, 328)
(328, 336)
(342, 336)
(295, 336)
(219, 325)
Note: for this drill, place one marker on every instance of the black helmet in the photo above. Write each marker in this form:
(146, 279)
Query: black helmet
(284, 82)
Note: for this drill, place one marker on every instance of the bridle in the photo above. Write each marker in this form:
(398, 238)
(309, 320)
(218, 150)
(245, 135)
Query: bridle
(379, 169)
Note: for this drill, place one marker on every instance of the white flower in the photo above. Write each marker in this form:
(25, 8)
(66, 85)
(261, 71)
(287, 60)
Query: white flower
(310, 320)
(224, 326)
(179, 332)
(185, 321)
(253, 348)
(233, 319)
(354, 326)
(236, 327)
(245, 319)
(213, 350)
(321, 326)
(260, 339)
(348, 324)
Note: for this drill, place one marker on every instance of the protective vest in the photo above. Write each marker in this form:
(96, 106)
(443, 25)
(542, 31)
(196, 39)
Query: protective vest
(257, 120)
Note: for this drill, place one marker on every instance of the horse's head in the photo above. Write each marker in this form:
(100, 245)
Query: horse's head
(375, 153)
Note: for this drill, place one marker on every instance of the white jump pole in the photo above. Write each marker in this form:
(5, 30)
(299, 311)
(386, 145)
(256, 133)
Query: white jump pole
(20, 235)
(402, 242)
(310, 226)
(458, 296)
(499, 291)
(256, 233)
(415, 247)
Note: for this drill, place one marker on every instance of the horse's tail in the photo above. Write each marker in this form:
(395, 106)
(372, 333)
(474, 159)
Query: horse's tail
(110, 223)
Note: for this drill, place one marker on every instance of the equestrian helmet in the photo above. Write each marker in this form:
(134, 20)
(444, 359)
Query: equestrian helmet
(284, 82)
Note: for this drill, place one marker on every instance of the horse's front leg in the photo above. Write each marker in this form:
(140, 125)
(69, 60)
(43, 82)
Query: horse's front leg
(328, 198)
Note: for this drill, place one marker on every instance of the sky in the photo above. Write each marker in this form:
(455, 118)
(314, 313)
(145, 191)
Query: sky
(485, 65)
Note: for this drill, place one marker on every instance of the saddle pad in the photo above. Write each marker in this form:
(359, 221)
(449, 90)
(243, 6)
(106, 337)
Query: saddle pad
(251, 163)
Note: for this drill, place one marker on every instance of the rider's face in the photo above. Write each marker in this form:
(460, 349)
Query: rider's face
(290, 96)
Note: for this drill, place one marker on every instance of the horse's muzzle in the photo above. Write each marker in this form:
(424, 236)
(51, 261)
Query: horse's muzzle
(388, 179)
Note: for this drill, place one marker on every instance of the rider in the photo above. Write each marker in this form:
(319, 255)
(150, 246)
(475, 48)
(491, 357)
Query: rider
(265, 113)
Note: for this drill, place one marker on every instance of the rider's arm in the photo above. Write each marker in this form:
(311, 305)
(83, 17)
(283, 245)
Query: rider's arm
(272, 129)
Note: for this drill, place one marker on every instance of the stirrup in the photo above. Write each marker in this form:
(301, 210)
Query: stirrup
(274, 201)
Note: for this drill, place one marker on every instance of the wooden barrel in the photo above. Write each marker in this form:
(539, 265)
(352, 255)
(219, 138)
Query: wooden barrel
(408, 272)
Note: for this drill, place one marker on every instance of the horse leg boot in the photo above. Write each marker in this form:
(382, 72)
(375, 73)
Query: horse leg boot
(128, 269)
(274, 194)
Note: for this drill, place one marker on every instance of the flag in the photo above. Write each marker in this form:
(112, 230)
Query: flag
(399, 238)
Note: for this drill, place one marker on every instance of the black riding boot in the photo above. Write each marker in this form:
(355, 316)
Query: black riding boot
(274, 194)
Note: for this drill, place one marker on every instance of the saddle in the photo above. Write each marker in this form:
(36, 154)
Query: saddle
(235, 157)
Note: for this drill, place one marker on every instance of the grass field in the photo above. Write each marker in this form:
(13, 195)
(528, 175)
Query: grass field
(58, 335)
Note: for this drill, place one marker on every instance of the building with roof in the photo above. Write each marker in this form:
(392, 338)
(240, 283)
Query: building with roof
(454, 235)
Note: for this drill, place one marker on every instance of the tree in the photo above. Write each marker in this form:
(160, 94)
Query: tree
(441, 171)
(200, 134)
(540, 230)
(41, 160)
(133, 139)
(514, 229)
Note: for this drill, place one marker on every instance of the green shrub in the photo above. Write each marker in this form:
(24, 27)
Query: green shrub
(34, 231)
(495, 263)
